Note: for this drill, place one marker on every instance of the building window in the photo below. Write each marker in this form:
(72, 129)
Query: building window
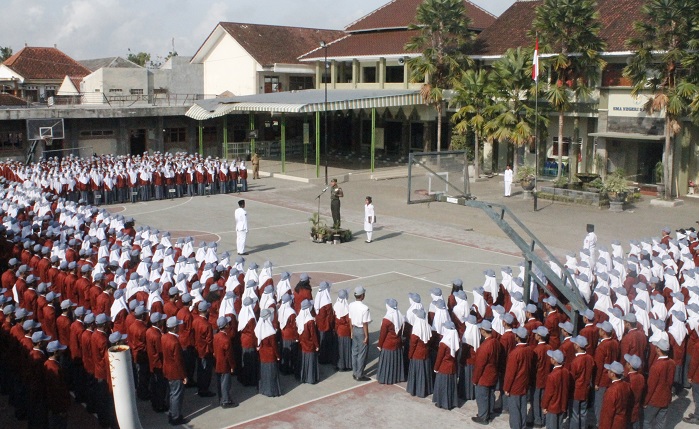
(117, 90)
(91, 134)
(612, 75)
(272, 84)
(394, 74)
(300, 82)
(175, 135)
(344, 72)
(368, 74)
(136, 91)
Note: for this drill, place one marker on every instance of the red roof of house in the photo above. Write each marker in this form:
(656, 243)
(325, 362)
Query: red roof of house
(365, 44)
(11, 100)
(271, 44)
(511, 29)
(44, 63)
(401, 13)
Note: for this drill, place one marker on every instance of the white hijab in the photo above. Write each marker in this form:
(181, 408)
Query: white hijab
(264, 329)
(303, 318)
(394, 316)
(451, 339)
(341, 307)
(421, 329)
(285, 311)
(247, 313)
(472, 335)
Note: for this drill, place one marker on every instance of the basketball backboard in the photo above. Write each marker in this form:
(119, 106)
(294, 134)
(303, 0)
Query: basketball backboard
(43, 129)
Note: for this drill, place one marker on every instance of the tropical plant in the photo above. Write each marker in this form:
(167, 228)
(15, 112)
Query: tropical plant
(661, 67)
(525, 173)
(569, 29)
(474, 97)
(616, 182)
(5, 53)
(442, 37)
(318, 227)
(659, 170)
(141, 58)
(513, 115)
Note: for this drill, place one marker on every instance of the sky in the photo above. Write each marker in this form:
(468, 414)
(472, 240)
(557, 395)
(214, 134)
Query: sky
(86, 29)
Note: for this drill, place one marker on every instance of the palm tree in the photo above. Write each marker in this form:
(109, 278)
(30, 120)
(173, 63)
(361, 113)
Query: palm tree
(443, 37)
(513, 115)
(570, 29)
(474, 97)
(661, 66)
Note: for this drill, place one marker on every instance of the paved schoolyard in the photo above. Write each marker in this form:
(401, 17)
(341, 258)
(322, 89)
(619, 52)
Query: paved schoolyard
(417, 247)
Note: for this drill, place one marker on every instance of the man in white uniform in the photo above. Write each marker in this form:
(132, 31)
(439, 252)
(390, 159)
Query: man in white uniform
(360, 318)
(241, 227)
(508, 181)
(369, 219)
(590, 243)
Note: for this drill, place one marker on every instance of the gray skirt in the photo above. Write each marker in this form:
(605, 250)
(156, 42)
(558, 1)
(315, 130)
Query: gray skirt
(444, 395)
(391, 369)
(327, 346)
(466, 389)
(269, 379)
(344, 353)
(310, 372)
(419, 378)
(248, 373)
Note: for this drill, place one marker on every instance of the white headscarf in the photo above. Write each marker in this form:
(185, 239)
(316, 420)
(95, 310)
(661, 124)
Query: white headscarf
(472, 335)
(440, 317)
(285, 311)
(451, 339)
(266, 300)
(678, 330)
(303, 318)
(283, 287)
(322, 299)
(264, 329)
(659, 310)
(118, 305)
(672, 283)
(491, 285)
(421, 329)
(247, 313)
(341, 307)
(410, 315)
(394, 316)
(227, 305)
(642, 318)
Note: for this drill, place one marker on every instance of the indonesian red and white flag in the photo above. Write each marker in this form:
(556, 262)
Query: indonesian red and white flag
(535, 65)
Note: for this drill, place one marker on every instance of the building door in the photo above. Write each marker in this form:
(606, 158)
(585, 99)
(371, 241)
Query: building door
(649, 154)
(137, 140)
(417, 130)
(393, 137)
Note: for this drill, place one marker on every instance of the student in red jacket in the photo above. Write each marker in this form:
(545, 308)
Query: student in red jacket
(390, 368)
(204, 343)
(693, 377)
(607, 351)
(444, 395)
(542, 369)
(343, 331)
(308, 340)
(485, 373)
(659, 392)
(618, 399)
(269, 354)
(516, 382)
(581, 369)
(419, 371)
(554, 403)
(173, 371)
(225, 363)
(57, 394)
(637, 382)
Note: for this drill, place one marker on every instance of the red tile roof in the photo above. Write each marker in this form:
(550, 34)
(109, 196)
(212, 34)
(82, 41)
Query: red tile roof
(11, 100)
(401, 13)
(511, 29)
(365, 44)
(44, 63)
(270, 44)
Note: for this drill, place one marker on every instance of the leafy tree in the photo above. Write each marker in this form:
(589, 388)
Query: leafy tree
(513, 115)
(569, 29)
(474, 97)
(662, 64)
(443, 38)
(5, 53)
(141, 58)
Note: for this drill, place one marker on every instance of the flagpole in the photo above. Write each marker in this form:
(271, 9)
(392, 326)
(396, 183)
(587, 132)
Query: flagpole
(536, 113)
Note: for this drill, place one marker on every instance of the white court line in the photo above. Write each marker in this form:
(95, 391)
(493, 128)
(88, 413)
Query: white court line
(196, 411)
(392, 260)
(163, 209)
(265, 227)
(448, 286)
(303, 403)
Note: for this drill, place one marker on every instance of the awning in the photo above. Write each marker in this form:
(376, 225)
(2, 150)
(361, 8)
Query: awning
(308, 101)
(627, 136)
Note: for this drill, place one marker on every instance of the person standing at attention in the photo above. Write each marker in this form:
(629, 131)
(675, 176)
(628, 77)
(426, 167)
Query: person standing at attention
(241, 227)
(590, 243)
(360, 318)
(508, 181)
(369, 218)
(335, 195)
(255, 165)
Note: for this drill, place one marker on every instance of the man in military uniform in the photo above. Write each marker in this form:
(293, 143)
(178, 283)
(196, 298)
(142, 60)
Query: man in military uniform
(335, 195)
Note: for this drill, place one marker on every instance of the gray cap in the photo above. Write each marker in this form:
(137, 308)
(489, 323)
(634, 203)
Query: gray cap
(89, 318)
(173, 321)
(633, 360)
(266, 313)
(631, 318)
(222, 321)
(662, 344)
(157, 317)
(508, 318)
(392, 303)
(55, 346)
(304, 277)
(580, 341)
(566, 326)
(448, 325)
(203, 306)
(551, 300)
(323, 285)
(101, 319)
(342, 294)
(359, 291)
(556, 355)
(486, 325)
(531, 308)
(39, 336)
(589, 314)
(542, 331)
(605, 326)
(521, 332)
(457, 282)
(614, 367)
(306, 304)
(116, 337)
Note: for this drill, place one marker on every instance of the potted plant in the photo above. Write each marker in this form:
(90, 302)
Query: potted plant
(659, 171)
(319, 230)
(526, 176)
(594, 186)
(561, 182)
(616, 187)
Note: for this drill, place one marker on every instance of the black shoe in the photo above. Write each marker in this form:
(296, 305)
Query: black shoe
(206, 394)
(229, 405)
(479, 420)
(691, 419)
(178, 421)
(190, 385)
(244, 253)
(363, 378)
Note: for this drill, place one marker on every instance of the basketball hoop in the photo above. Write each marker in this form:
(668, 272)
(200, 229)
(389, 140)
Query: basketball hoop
(48, 141)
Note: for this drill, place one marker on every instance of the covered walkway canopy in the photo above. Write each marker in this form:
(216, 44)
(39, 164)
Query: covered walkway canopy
(307, 101)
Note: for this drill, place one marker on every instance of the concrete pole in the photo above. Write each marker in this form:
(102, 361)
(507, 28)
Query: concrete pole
(123, 387)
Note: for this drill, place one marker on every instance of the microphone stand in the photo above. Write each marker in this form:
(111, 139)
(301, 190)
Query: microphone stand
(318, 198)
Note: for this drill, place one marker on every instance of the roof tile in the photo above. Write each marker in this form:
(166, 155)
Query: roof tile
(44, 63)
(365, 44)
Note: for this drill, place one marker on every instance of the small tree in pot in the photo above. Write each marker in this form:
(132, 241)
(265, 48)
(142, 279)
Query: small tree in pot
(526, 176)
(616, 186)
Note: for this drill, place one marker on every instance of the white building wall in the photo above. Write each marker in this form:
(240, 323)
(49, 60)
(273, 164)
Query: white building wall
(230, 68)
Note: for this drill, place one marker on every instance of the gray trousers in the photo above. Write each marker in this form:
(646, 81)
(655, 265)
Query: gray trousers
(659, 415)
(224, 388)
(335, 210)
(695, 397)
(518, 411)
(554, 421)
(578, 414)
(485, 400)
(359, 352)
(599, 399)
(535, 415)
(176, 398)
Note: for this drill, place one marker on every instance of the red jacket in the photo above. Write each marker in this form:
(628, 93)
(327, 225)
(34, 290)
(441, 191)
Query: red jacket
(268, 350)
(325, 319)
(660, 378)
(57, 394)
(485, 368)
(100, 343)
(154, 348)
(445, 363)
(581, 369)
(186, 332)
(551, 323)
(173, 362)
(86, 351)
(308, 339)
(617, 406)
(607, 352)
(136, 338)
(634, 342)
(518, 370)
(223, 353)
(557, 391)
(343, 327)
(543, 365)
(638, 387)
(63, 330)
(568, 350)
(203, 336)
(417, 350)
(388, 338)
(76, 330)
(591, 333)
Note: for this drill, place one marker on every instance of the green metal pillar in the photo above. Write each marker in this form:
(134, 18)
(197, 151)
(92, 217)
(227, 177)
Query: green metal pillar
(283, 143)
(201, 139)
(225, 137)
(317, 144)
(252, 128)
(373, 137)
